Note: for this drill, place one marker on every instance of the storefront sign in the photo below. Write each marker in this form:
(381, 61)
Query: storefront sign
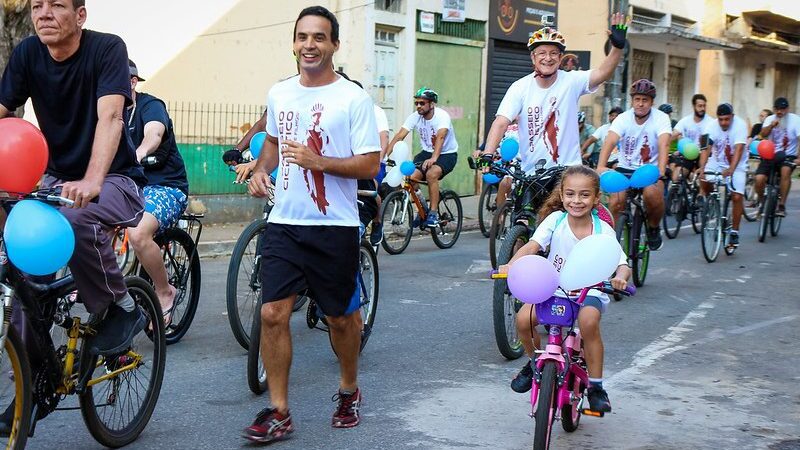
(427, 23)
(453, 10)
(515, 20)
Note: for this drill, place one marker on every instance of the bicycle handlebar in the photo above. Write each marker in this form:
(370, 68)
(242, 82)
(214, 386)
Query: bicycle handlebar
(49, 195)
(604, 287)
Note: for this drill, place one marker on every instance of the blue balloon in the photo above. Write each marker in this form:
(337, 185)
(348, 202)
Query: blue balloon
(256, 142)
(612, 182)
(509, 149)
(645, 176)
(407, 168)
(682, 142)
(490, 178)
(754, 147)
(39, 240)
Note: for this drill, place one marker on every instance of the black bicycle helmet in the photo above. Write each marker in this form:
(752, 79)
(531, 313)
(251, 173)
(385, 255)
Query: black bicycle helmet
(666, 108)
(427, 94)
(644, 87)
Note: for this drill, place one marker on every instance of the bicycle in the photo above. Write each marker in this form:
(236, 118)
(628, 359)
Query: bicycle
(103, 384)
(367, 284)
(681, 202)
(487, 205)
(527, 195)
(178, 245)
(560, 373)
(772, 196)
(398, 217)
(750, 213)
(716, 223)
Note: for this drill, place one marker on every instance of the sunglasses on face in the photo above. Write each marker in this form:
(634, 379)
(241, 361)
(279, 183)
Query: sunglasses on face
(420, 103)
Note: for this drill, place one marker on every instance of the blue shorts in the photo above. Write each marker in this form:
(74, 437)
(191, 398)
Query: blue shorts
(595, 302)
(166, 204)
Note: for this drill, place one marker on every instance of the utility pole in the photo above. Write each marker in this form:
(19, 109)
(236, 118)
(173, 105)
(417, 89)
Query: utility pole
(613, 90)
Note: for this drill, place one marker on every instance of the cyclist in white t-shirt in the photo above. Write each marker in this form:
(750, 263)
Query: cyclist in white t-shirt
(727, 137)
(691, 127)
(643, 134)
(783, 129)
(438, 141)
(546, 101)
(600, 133)
(321, 135)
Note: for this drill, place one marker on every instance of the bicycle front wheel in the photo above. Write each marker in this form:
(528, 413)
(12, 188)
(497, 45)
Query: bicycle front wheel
(243, 287)
(545, 407)
(369, 285)
(117, 409)
(501, 222)
(775, 222)
(639, 251)
(711, 237)
(504, 305)
(451, 216)
(674, 213)
(256, 373)
(15, 391)
(397, 217)
(696, 213)
(486, 207)
(767, 213)
(750, 214)
(183, 273)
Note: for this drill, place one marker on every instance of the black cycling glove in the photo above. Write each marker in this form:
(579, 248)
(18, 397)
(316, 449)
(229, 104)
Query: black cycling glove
(232, 156)
(617, 36)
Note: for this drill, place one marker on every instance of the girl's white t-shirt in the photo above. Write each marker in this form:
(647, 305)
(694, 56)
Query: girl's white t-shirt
(337, 121)
(638, 144)
(556, 232)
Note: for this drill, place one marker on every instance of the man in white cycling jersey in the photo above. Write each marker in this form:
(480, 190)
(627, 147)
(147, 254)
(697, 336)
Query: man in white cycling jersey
(783, 129)
(725, 155)
(546, 101)
(690, 127)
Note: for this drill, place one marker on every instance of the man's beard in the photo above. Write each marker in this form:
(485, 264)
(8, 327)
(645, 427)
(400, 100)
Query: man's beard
(700, 115)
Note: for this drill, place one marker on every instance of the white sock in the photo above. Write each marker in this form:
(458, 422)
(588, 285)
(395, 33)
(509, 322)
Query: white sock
(126, 303)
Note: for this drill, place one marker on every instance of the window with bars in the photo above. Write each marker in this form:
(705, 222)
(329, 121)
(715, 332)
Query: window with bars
(389, 5)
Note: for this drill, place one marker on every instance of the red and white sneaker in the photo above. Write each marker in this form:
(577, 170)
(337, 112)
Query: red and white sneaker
(269, 425)
(347, 413)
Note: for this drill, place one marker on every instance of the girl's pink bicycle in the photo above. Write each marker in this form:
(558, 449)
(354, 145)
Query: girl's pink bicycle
(560, 377)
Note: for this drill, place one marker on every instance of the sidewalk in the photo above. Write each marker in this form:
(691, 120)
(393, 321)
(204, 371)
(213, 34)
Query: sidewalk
(219, 239)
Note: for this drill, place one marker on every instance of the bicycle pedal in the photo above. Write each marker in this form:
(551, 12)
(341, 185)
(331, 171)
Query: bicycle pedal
(589, 412)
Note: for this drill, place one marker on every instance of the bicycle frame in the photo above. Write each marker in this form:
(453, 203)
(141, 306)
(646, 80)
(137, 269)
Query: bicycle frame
(634, 202)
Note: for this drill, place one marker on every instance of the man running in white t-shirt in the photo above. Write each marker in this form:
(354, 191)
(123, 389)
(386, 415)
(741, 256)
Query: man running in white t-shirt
(691, 127)
(321, 135)
(546, 101)
(727, 137)
(644, 133)
(783, 129)
(438, 141)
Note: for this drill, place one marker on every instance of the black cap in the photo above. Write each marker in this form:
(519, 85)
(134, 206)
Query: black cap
(724, 109)
(781, 103)
(134, 70)
(615, 110)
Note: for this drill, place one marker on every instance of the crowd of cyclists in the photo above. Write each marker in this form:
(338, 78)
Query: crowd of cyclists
(325, 139)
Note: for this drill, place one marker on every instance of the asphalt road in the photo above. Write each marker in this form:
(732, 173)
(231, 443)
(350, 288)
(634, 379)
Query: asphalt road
(704, 357)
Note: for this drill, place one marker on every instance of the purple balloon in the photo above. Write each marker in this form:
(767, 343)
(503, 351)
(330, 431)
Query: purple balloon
(532, 279)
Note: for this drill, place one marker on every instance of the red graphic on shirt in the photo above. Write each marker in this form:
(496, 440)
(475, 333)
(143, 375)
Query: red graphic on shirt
(785, 141)
(551, 131)
(728, 152)
(316, 186)
(645, 150)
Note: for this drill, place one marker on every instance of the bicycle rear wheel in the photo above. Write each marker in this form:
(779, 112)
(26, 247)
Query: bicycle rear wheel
(243, 286)
(256, 373)
(501, 222)
(775, 221)
(696, 213)
(15, 391)
(711, 237)
(545, 407)
(116, 410)
(451, 217)
(183, 273)
(504, 305)
(486, 208)
(674, 213)
(639, 251)
(368, 284)
(767, 213)
(397, 217)
(122, 250)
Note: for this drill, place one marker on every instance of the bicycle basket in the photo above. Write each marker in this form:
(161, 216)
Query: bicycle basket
(557, 311)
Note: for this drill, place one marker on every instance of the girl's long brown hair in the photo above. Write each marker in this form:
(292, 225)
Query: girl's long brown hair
(554, 202)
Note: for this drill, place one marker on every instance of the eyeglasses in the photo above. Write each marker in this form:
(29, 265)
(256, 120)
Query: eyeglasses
(542, 54)
(420, 103)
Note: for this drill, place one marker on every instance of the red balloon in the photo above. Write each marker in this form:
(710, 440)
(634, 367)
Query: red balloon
(23, 155)
(766, 149)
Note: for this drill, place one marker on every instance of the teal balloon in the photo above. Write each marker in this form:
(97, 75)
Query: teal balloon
(509, 149)
(39, 239)
(754, 147)
(490, 178)
(407, 168)
(256, 142)
(645, 176)
(612, 182)
(682, 142)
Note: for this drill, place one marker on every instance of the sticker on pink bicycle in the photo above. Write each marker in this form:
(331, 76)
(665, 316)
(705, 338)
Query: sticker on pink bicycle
(557, 311)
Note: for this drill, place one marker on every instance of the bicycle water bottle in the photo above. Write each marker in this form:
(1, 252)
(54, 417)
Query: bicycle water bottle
(422, 199)
(149, 161)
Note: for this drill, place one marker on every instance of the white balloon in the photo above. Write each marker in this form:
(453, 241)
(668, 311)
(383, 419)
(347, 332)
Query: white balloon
(400, 152)
(394, 177)
(591, 261)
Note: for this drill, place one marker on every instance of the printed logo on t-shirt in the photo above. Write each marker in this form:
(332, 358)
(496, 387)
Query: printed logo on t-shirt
(316, 184)
(549, 126)
(780, 136)
(630, 148)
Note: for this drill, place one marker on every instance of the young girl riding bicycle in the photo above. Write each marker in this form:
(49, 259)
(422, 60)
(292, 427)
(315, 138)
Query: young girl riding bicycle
(569, 215)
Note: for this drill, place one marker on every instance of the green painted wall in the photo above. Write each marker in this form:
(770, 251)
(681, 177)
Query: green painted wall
(206, 171)
(454, 72)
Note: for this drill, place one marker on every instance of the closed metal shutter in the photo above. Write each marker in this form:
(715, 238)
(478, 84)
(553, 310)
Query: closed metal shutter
(508, 62)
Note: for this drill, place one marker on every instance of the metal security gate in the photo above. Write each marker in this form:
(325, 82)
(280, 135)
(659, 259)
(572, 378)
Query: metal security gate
(676, 75)
(642, 65)
(508, 62)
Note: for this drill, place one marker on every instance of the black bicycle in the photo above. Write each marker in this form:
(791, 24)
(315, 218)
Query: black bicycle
(632, 234)
(117, 394)
(681, 203)
(772, 197)
(487, 205)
